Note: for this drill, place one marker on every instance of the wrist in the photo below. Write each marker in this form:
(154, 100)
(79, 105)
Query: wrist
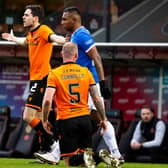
(103, 120)
(14, 39)
(102, 83)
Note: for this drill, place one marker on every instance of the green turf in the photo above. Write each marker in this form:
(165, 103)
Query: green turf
(31, 163)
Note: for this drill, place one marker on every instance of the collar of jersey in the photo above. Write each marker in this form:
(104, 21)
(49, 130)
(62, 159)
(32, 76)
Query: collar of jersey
(35, 28)
(69, 63)
(78, 29)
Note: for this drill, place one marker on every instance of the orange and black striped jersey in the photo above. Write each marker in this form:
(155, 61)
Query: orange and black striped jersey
(40, 50)
(72, 83)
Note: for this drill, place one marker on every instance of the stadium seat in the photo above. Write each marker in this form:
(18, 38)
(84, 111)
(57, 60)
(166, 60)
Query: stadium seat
(21, 142)
(116, 118)
(126, 137)
(4, 125)
(9, 150)
(27, 139)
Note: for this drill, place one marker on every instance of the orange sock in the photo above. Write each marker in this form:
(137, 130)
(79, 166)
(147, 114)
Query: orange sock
(34, 122)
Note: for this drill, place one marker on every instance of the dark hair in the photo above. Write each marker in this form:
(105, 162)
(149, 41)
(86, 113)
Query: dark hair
(72, 9)
(37, 10)
(148, 107)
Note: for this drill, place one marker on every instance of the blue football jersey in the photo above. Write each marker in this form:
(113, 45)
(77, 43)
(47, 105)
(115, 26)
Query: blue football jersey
(85, 42)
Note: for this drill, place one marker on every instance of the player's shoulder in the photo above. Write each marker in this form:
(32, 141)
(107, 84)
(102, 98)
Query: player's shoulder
(44, 27)
(55, 70)
(82, 30)
(82, 35)
(85, 69)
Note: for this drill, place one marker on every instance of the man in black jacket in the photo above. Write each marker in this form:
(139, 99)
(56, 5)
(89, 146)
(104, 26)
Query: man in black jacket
(149, 136)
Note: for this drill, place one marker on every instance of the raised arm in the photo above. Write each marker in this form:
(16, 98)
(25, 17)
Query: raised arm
(57, 39)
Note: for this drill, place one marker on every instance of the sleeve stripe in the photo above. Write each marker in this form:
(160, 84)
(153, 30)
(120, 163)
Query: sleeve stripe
(51, 87)
(90, 48)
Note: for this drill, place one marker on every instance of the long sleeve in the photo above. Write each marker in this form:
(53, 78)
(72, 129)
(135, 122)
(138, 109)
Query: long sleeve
(159, 135)
(137, 137)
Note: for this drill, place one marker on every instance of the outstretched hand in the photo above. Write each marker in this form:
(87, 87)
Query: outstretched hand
(8, 36)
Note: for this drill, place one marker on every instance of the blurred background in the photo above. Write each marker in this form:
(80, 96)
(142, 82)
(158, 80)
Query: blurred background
(136, 75)
(93, 12)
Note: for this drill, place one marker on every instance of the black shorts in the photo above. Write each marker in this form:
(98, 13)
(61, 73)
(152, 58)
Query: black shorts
(36, 93)
(76, 133)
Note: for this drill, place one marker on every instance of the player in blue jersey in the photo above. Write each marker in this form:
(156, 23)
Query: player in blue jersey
(89, 57)
(85, 42)
(87, 51)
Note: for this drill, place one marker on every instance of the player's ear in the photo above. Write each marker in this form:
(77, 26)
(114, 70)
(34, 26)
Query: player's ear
(36, 19)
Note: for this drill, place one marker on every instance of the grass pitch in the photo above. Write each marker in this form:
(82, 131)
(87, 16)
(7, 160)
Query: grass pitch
(32, 163)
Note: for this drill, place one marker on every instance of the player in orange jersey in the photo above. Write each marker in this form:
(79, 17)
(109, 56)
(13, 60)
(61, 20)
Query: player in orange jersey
(70, 85)
(39, 40)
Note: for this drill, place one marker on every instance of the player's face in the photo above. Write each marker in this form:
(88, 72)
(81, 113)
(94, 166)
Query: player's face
(67, 22)
(28, 18)
(146, 115)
